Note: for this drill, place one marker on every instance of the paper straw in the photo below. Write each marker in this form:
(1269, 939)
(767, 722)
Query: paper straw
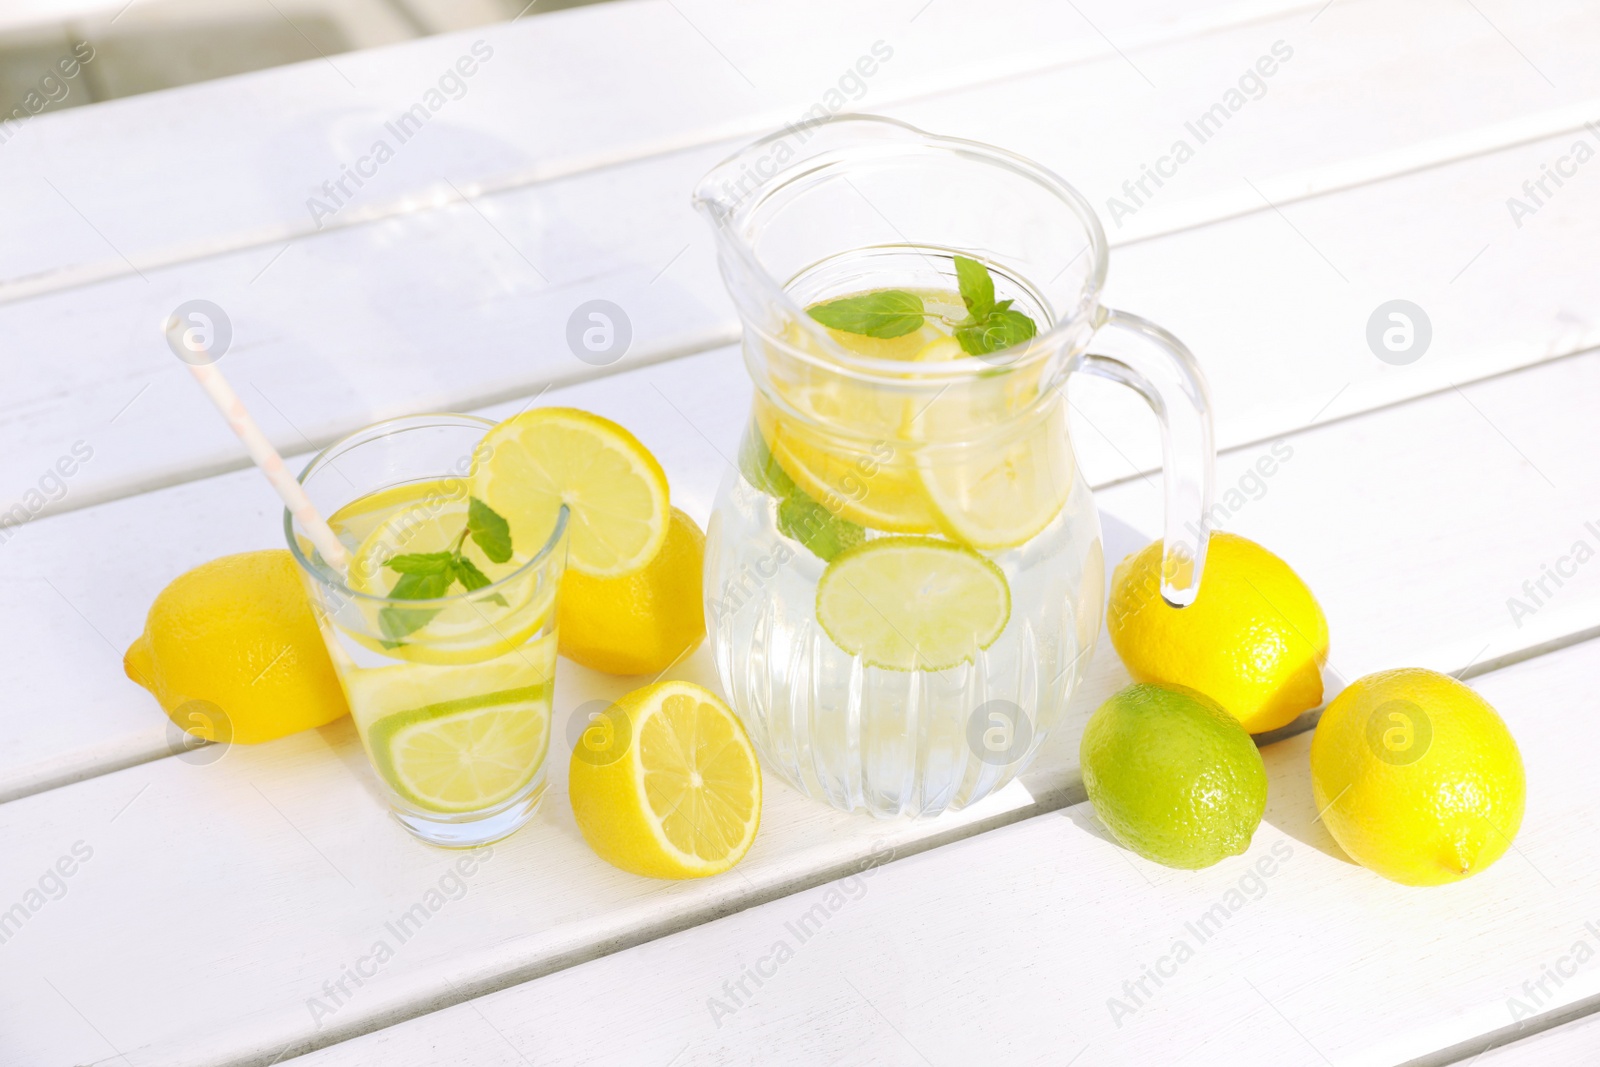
(265, 456)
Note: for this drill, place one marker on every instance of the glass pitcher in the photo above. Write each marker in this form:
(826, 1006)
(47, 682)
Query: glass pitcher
(903, 577)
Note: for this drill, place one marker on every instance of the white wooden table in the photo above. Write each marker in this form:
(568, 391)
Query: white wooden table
(211, 903)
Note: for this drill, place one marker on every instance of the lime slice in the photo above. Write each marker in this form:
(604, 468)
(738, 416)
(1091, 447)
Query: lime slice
(464, 755)
(912, 603)
(528, 466)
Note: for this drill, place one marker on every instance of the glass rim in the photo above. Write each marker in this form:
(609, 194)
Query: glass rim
(419, 421)
(724, 214)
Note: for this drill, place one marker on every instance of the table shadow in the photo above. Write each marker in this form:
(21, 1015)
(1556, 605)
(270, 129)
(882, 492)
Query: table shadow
(1291, 807)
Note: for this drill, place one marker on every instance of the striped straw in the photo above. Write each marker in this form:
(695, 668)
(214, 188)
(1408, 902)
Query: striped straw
(261, 451)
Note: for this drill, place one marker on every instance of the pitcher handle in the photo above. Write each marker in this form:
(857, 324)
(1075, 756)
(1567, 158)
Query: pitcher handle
(1161, 369)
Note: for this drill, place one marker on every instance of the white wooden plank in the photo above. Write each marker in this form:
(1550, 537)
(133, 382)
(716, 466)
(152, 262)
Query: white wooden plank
(464, 304)
(461, 318)
(295, 868)
(1009, 947)
(551, 96)
(1574, 1042)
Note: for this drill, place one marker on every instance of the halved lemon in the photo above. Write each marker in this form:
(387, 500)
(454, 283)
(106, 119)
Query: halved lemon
(532, 463)
(913, 603)
(680, 796)
(469, 754)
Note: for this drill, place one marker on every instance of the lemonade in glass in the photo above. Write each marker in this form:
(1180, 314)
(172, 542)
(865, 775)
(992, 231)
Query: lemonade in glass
(441, 626)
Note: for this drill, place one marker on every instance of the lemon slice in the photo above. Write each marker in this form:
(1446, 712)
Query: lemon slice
(377, 693)
(991, 486)
(876, 487)
(429, 517)
(1001, 492)
(940, 350)
(678, 792)
(355, 521)
(528, 466)
(912, 603)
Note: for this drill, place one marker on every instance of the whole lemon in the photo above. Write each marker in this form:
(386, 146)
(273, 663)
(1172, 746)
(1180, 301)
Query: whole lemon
(232, 652)
(1417, 777)
(644, 622)
(1254, 640)
(1172, 776)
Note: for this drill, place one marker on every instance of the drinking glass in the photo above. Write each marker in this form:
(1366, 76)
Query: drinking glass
(452, 695)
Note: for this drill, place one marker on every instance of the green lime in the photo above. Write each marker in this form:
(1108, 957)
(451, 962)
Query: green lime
(464, 755)
(1173, 776)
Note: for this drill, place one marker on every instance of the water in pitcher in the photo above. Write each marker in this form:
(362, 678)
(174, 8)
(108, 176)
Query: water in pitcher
(904, 579)
(904, 576)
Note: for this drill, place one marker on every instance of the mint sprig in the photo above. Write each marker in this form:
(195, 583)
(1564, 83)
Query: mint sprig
(429, 575)
(988, 326)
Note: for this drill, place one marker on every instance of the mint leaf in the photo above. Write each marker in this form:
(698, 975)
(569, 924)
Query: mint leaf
(813, 525)
(758, 466)
(491, 532)
(977, 287)
(1002, 329)
(468, 574)
(1007, 328)
(420, 563)
(428, 586)
(397, 623)
(886, 313)
(471, 578)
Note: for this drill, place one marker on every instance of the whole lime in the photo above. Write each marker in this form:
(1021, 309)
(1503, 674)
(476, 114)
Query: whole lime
(1173, 776)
